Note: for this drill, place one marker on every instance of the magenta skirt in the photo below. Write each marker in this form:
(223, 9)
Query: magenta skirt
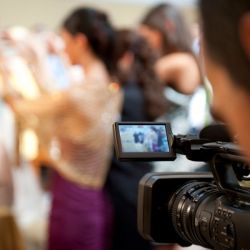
(80, 219)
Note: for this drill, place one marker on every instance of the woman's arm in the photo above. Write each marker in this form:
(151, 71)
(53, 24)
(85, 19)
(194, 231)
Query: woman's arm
(181, 70)
(46, 105)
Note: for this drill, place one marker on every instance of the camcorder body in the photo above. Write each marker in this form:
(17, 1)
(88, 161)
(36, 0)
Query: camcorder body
(210, 209)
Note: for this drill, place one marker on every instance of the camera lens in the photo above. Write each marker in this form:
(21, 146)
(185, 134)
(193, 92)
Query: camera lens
(183, 208)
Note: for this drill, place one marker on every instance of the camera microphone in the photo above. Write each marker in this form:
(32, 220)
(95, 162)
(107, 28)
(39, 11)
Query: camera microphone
(216, 132)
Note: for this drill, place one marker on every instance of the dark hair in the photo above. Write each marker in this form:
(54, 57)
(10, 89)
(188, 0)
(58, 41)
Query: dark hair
(94, 24)
(221, 20)
(141, 71)
(168, 20)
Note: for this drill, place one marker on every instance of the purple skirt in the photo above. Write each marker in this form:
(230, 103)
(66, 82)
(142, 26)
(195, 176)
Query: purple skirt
(80, 219)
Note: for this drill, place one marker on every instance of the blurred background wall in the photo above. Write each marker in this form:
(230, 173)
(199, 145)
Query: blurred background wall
(50, 13)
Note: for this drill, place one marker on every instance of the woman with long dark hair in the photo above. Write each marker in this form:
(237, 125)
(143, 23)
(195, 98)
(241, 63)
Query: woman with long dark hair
(135, 69)
(168, 33)
(143, 101)
(81, 214)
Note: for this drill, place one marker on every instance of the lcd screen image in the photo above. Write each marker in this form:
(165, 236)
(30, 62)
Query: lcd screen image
(143, 138)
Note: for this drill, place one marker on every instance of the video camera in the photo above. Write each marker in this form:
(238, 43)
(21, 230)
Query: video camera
(207, 209)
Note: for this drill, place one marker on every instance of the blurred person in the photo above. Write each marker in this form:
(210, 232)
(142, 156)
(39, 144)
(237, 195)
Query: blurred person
(226, 52)
(167, 32)
(178, 67)
(28, 71)
(143, 101)
(226, 49)
(88, 37)
(77, 120)
(135, 71)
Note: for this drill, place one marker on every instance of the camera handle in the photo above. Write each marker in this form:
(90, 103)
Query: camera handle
(226, 177)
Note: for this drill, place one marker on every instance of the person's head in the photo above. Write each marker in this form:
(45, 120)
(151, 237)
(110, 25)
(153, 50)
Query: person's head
(226, 46)
(132, 53)
(166, 30)
(88, 31)
(136, 62)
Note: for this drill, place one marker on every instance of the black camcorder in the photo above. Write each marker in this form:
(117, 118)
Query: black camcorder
(210, 209)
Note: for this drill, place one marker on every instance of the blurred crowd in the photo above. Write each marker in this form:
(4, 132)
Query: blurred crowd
(60, 93)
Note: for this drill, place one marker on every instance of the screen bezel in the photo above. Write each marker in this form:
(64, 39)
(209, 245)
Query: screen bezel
(141, 156)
